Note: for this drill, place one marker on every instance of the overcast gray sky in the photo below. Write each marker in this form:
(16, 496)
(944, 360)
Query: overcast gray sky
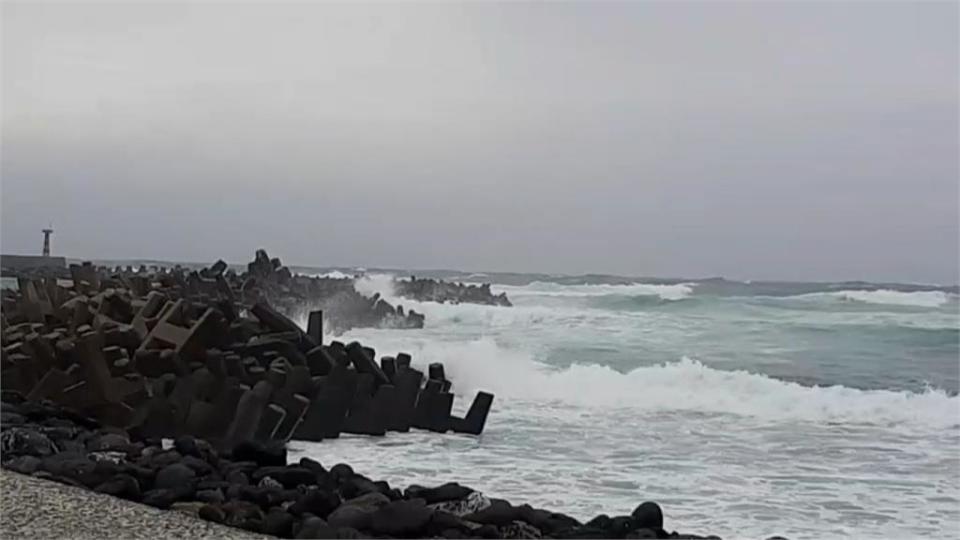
(774, 140)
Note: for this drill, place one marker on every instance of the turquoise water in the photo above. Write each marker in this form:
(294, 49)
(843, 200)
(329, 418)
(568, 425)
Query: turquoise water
(805, 411)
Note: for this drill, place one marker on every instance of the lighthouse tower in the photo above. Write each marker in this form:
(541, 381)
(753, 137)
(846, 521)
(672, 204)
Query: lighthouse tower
(46, 242)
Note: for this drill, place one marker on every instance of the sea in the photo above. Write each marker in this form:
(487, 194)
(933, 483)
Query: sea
(746, 410)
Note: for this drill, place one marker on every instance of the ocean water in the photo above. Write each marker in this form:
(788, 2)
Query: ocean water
(745, 411)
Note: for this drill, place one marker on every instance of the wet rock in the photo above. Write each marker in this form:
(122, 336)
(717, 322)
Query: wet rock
(175, 476)
(349, 532)
(199, 466)
(108, 442)
(24, 464)
(318, 502)
(314, 527)
(500, 512)
(472, 503)
(357, 512)
(648, 515)
(519, 529)
(20, 441)
(159, 498)
(289, 477)
(269, 483)
(191, 508)
(277, 523)
(272, 454)
(211, 496)
(212, 512)
(401, 518)
(121, 485)
(446, 492)
(238, 477)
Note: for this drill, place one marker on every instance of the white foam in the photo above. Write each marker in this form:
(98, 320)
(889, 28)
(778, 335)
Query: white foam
(333, 274)
(686, 385)
(889, 297)
(541, 288)
(371, 284)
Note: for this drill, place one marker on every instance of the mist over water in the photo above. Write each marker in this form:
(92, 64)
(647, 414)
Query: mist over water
(822, 413)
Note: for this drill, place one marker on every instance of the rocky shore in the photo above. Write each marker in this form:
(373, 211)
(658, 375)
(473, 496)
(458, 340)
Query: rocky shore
(252, 487)
(434, 290)
(199, 357)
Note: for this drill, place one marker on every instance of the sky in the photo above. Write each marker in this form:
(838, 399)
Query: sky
(775, 140)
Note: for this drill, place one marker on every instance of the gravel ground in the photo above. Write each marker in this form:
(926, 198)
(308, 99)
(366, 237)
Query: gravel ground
(31, 508)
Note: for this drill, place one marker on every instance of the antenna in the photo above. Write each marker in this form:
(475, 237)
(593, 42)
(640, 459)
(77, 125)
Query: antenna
(46, 240)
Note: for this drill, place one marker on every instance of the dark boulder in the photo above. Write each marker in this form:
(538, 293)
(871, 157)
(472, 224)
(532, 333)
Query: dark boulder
(121, 485)
(23, 441)
(159, 498)
(314, 527)
(175, 476)
(24, 464)
(108, 442)
(277, 523)
(290, 476)
(211, 496)
(646, 533)
(447, 492)
(500, 512)
(212, 512)
(199, 466)
(318, 502)
(648, 515)
(401, 518)
(238, 477)
(341, 471)
(269, 454)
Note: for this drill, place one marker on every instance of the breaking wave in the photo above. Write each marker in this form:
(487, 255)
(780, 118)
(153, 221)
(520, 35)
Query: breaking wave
(677, 291)
(686, 385)
(930, 299)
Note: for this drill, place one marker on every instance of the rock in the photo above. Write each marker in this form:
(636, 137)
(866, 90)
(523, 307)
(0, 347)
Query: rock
(472, 503)
(174, 476)
(487, 531)
(314, 527)
(500, 512)
(269, 483)
(350, 516)
(212, 512)
(23, 441)
(239, 511)
(191, 508)
(318, 502)
(312, 465)
(277, 523)
(290, 476)
(109, 456)
(643, 533)
(121, 485)
(199, 466)
(187, 446)
(211, 496)
(341, 471)
(271, 454)
(441, 522)
(348, 532)
(78, 468)
(519, 529)
(159, 498)
(447, 492)
(648, 515)
(401, 518)
(24, 464)
(108, 442)
(238, 477)
(620, 525)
